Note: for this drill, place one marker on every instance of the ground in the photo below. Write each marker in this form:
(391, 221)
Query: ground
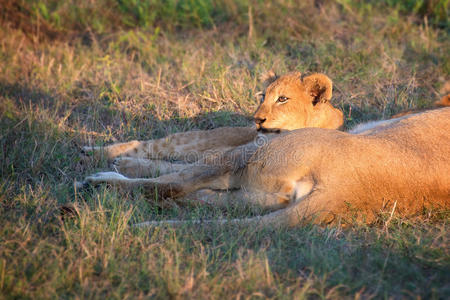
(76, 73)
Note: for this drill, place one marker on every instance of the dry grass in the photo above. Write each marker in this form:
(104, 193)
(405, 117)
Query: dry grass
(77, 83)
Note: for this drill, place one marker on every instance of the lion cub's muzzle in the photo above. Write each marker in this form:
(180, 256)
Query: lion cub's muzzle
(259, 126)
(258, 122)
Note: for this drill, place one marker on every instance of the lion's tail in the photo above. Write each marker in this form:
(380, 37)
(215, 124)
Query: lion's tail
(278, 219)
(315, 208)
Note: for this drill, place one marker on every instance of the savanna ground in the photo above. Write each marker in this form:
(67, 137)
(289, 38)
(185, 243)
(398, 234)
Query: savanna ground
(93, 72)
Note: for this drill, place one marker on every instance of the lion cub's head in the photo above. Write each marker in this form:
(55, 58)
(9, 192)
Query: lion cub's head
(292, 102)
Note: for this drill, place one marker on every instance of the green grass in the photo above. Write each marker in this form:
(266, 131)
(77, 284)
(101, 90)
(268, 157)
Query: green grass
(102, 71)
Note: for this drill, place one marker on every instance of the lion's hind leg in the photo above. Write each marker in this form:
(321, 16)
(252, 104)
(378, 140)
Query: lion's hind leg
(236, 197)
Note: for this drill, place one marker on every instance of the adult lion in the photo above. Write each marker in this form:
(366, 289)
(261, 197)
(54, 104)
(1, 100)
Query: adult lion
(321, 175)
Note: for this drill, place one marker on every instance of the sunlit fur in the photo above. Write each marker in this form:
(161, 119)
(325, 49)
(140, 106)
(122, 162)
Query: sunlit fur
(307, 105)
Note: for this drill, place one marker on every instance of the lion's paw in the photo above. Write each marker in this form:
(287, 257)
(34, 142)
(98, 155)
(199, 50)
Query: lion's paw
(105, 177)
(135, 167)
(123, 164)
(91, 151)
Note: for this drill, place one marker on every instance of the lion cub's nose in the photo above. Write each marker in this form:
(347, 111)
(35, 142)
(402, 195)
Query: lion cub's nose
(259, 121)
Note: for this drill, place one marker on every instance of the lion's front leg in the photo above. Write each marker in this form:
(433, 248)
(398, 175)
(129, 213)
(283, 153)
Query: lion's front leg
(140, 167)
(188, 146)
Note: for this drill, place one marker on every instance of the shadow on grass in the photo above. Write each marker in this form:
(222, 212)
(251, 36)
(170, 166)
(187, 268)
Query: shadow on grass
(41, 133)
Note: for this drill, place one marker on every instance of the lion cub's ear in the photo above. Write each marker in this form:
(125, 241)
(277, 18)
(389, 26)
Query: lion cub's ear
(267, 78)
(319, 87)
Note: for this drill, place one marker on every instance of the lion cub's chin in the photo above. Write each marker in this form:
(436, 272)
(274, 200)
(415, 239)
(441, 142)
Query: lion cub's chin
(269, 130)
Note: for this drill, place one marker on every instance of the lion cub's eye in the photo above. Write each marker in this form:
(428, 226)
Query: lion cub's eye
(282, 99)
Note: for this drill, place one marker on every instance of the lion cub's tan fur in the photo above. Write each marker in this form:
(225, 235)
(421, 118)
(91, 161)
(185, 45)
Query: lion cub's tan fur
(307, 105)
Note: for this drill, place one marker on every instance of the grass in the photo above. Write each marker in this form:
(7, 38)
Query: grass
(106, 71)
